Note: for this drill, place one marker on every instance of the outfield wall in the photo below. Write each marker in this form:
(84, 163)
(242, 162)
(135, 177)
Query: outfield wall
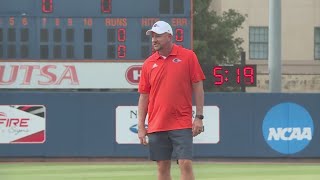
(100, 124)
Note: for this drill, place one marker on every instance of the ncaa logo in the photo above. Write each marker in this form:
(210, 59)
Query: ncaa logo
(288, 128)
(133, 74)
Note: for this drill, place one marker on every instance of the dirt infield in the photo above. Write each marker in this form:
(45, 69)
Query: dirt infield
(144, 160)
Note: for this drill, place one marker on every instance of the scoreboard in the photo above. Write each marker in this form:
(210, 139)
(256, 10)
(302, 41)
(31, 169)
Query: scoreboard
(88, 29)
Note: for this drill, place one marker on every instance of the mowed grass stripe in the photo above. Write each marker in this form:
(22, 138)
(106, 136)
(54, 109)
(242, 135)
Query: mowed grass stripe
(287, 177)
(14, 168)
(39, 171)
(203, 171)
(259, 170)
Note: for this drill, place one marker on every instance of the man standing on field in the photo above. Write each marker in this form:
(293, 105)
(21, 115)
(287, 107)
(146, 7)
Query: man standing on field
(169, 78)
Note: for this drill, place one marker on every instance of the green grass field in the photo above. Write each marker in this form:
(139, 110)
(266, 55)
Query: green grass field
(147, 171)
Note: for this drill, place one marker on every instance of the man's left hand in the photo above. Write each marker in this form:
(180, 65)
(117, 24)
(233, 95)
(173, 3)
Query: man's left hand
(197, 127)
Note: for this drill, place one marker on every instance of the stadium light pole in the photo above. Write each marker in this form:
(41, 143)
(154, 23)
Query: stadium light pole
(274, 61)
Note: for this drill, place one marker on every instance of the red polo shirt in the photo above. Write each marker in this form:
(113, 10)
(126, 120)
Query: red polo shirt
(169, 85)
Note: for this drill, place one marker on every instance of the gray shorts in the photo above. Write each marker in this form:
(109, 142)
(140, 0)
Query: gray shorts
(167, 145)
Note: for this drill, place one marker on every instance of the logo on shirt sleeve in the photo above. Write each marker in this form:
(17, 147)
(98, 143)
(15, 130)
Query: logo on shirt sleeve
(154, 66)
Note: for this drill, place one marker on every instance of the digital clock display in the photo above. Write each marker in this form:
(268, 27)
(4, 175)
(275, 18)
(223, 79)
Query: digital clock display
(234, 75)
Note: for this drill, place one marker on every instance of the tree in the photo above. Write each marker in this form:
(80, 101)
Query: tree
(214, 40)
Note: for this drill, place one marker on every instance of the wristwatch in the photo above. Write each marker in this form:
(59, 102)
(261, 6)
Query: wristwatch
(200, 116)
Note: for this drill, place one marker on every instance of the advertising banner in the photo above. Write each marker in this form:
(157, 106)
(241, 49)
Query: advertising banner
(69, 75)
(126, 125)
(22, 124)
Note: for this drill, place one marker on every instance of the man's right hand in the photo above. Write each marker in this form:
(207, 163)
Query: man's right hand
(142, 134)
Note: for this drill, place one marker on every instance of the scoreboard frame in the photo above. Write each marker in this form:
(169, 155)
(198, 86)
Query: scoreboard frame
(75, 30)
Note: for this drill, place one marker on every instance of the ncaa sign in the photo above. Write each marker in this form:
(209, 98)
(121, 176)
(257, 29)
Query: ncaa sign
(133, 74)
(288, 128)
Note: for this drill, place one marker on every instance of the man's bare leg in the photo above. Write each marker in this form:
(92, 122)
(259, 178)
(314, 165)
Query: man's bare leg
(186, 169)
(164, 170)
